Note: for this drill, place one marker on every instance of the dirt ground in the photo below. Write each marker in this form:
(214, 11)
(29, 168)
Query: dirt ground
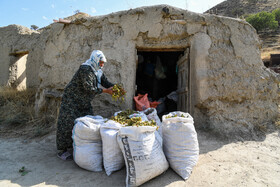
(221, 163)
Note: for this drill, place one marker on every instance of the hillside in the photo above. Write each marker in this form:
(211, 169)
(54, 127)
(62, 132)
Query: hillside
(238, 8)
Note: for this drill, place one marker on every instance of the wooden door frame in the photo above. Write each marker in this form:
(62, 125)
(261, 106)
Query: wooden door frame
(188, 80)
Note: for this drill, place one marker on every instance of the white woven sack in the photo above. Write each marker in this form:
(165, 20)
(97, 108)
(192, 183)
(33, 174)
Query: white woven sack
(151, 114)
(87, 143)
(143, 154)
(180, 143)
(112, 155)
(89, 156)
(87, 127)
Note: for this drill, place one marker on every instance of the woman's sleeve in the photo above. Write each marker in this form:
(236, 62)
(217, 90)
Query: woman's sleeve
(89, 82)
(105, 83)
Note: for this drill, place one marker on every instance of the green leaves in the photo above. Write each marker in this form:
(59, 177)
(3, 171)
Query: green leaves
(262, 20)
(276, 13)
(123, 118)
(174, 116)
(118, 92)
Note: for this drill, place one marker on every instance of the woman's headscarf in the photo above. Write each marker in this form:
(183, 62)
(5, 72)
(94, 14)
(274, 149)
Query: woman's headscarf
(93, 62)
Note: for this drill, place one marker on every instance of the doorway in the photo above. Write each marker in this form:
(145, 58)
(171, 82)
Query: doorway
(17, 70)
(157, 75)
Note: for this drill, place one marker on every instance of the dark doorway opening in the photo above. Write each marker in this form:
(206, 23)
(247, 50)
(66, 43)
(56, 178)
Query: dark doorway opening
(157, 76)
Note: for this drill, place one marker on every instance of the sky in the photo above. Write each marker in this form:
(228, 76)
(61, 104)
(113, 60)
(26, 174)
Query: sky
(42, 12)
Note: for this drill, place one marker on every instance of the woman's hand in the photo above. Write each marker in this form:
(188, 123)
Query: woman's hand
(108, 91)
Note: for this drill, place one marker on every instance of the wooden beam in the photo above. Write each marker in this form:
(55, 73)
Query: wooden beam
(19, 53)
(142, 49)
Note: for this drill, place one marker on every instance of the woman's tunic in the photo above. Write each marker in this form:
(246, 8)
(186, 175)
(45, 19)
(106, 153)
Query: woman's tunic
(76, 102)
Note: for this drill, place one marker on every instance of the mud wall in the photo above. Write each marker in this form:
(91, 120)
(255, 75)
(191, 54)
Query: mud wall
(15, 42)
(231, 90)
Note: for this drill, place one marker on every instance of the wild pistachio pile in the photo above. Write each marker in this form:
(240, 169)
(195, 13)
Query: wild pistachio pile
(137, 121)
(123, 118)
(176, 115)
(118, 92)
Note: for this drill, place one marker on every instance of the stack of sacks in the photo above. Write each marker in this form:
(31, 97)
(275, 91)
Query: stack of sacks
(139, 141)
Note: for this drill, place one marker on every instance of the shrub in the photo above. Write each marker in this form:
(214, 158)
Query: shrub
(276, 13)
(34, 27)
(262, 20)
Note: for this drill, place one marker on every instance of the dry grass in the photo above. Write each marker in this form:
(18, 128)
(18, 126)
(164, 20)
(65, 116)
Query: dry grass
(16, 106)
(265, 54)
(270, 44)
(17, 114)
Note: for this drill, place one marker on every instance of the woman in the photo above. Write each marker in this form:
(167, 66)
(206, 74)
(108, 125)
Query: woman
(76, 100)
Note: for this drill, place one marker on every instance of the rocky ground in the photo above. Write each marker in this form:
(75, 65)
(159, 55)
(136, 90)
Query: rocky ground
(221, 163)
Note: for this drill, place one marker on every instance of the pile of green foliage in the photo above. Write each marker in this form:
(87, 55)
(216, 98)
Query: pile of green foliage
(265, 20)
(124, 119)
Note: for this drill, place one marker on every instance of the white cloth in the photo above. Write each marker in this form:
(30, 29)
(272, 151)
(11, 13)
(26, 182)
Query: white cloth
(159, 70)
(93, 62)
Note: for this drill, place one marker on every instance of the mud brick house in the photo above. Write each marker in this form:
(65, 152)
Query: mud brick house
(212, 62)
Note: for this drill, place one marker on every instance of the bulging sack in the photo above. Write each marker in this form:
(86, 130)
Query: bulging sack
(112, 155)
(87, 142)
(180, 143)
(87, 127)
(143, 154)
(151, 114)
(89, 156)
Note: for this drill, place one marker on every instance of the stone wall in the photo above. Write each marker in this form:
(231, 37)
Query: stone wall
(231, 90)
